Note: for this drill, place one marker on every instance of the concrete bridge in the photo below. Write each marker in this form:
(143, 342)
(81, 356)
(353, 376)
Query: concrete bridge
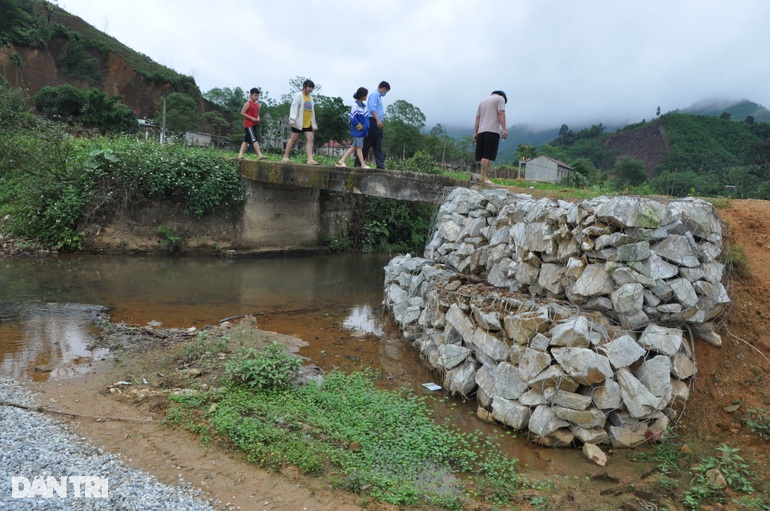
(286, 208)
(400, 185)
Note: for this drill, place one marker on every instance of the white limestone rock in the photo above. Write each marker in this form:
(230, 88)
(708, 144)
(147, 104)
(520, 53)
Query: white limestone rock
(639, 401)
(510, 413)
(623, 351)
(544, 421)
(585, 366)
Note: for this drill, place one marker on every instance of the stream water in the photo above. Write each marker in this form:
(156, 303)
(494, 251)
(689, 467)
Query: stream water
(332, 302)
(43, 302)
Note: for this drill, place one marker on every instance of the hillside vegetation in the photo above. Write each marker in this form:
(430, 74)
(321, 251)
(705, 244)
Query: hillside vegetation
(80, 51)
(676, 154)
(69, 68)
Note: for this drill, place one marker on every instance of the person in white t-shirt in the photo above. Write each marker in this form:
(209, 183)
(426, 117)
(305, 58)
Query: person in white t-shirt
(490, 117)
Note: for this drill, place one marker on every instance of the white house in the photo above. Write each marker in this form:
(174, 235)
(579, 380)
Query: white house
(205, 140)
(545, 169)
(333, 148)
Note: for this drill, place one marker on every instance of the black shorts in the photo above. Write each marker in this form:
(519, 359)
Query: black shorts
(486, 145)
(251, 135)
(295, 130)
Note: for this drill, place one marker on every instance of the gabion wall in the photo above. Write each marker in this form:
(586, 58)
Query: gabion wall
(565, 319)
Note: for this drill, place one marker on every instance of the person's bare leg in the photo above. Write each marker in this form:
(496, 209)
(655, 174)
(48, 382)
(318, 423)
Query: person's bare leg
(244, 145)
(258, 151)
(309, 137)
(341, 162)
(290, 145)
(360, 153)
(484, 170)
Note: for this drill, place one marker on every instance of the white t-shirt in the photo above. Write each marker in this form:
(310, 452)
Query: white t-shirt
(487, 113)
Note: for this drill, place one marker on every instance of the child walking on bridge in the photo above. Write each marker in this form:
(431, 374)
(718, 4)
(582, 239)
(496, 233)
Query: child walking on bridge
(250, 114)
(359, 127)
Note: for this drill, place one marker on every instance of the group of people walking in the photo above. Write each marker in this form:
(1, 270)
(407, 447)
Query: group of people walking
(366, 118)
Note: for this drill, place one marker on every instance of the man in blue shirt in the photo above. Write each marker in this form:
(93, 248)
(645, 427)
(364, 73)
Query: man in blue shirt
(376, 115)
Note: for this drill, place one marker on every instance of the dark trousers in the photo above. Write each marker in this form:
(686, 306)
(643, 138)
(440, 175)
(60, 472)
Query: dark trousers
(373, 141)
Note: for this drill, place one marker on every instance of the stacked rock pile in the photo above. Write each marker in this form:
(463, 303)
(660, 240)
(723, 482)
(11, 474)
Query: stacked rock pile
(565, 319)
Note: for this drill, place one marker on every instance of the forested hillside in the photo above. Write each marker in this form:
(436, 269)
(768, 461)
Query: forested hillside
(676, 154)
(66, 66)
(73, 73)
(743, 110)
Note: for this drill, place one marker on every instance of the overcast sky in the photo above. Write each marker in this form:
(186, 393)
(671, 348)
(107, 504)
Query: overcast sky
(577, 62)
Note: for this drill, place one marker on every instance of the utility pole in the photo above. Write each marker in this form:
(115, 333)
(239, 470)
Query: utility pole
(163, 124)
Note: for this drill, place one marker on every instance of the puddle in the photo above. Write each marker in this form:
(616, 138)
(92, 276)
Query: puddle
(44, 340)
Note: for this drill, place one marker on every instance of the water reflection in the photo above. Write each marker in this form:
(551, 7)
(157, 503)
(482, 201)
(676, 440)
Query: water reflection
(45, 339)
(40, 323)
(363, 319)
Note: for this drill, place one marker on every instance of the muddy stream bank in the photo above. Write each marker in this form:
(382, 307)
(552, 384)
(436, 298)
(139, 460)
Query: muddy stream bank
(330, 304)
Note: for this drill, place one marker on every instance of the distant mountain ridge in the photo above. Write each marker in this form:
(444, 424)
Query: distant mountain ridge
(739, 110)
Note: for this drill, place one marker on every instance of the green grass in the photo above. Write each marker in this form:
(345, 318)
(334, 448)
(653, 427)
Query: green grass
(360, 438)
(667, 455)
(697, 490)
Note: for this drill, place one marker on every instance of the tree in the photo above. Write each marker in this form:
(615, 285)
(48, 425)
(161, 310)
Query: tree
(566, 136)
(332, 116)
(676, 184)
(215, 123)
(725, 115)
(526, 152)
(181, 113)
(401, 140)
(48, 7)
(107, 114)
(407, 113)
(76, 62)
(18, 63)
(229, 99)
(11, 18)
(90, 108)
(436, 143)
(749, 119)
(555, 152)
(21, 24)
(62, 102)
(403, 122)
(758, 154)
(586, 168)
(443, 148)
(629, 172)
(295, 87)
